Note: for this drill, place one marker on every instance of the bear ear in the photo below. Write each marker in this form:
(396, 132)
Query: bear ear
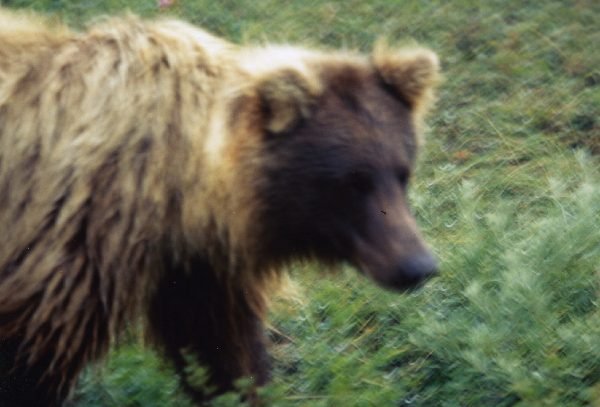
(411, 72)
(287, 97)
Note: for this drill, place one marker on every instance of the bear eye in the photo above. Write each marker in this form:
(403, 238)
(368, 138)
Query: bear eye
(360, 182)
(402, 175)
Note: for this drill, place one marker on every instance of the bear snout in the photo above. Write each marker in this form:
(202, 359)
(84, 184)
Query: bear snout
(412, 271)
(397, 270)
(392, 251)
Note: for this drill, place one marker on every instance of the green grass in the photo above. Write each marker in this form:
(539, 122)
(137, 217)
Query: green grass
(507, 193)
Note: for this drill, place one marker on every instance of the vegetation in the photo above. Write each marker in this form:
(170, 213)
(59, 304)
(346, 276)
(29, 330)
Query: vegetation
(507, 192)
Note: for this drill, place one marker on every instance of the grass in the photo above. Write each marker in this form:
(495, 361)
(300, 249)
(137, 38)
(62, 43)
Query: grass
(507, 193)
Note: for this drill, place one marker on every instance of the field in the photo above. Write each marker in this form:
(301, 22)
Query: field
(507, 193)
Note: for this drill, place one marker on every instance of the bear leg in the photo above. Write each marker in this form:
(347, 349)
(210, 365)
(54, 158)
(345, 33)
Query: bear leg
(27, 385)
(193, 312)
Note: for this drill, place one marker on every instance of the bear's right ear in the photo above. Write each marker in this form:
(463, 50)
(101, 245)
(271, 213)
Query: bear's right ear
(286, 98)
(412, 73)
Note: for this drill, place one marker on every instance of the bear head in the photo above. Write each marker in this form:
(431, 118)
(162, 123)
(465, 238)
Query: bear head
(335, 142)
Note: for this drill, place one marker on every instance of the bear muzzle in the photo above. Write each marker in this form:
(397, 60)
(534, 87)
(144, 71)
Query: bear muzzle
(392, 251)
(396, 270)
(411, 272)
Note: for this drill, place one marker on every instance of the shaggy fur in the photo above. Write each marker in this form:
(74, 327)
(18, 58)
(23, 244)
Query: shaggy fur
(151, 168)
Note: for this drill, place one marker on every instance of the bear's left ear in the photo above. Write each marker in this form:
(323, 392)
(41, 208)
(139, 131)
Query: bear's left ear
(413, 72)
(286, 97)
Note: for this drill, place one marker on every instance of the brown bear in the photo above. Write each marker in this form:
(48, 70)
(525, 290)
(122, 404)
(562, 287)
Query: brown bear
(150, 168)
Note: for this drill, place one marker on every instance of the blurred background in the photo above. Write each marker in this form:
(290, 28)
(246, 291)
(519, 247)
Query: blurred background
(507, 193)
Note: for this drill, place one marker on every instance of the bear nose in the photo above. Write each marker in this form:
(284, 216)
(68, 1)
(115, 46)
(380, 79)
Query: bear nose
(414, 270)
